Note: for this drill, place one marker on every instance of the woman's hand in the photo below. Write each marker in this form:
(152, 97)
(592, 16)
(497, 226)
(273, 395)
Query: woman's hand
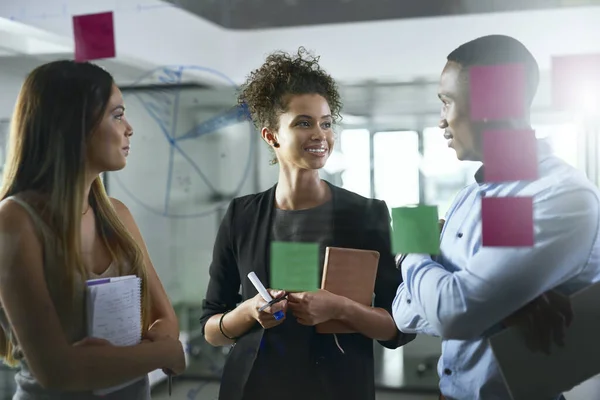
(176, 359)
(312, 308)
(266, 318)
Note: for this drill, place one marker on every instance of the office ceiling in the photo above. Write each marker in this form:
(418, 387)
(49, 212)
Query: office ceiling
(261, 14)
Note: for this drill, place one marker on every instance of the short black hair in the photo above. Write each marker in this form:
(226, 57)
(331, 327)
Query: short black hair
(499, 49)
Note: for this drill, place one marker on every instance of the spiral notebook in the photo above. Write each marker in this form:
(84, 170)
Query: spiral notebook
(114, 313)
(350, 273)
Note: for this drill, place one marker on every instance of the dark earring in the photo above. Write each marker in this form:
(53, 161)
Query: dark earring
(276, 145)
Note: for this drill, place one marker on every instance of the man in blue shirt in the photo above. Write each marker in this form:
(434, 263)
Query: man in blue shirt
(465, 293)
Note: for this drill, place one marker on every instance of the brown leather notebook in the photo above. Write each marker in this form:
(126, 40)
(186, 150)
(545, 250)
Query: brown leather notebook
(350, 273)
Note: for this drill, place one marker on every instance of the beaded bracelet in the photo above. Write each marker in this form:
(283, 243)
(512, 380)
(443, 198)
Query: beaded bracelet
(221, 326)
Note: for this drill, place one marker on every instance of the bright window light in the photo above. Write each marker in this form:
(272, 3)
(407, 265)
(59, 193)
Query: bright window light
(355, 148)
(563, 140)
(396, 165)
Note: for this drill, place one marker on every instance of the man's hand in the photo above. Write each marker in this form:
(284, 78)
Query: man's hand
(312, 308)
(542, 320)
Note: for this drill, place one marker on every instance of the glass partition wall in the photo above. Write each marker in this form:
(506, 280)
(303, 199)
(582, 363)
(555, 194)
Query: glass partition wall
(398, 151)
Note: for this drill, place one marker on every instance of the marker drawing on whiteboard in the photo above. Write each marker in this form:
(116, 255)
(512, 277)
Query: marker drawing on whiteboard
(264, 293)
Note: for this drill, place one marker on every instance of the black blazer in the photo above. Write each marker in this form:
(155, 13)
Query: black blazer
(242, 246)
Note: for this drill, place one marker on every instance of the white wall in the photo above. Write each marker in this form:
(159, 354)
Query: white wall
(10, 82)
(388, 50)
(407, 49)
(148, 30)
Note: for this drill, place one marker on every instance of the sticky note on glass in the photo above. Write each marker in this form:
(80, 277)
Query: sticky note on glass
(510, 155)
(507, 221)
(576, 82)
(415, 230)
(294, 266)
(497, 92)
(94, 36)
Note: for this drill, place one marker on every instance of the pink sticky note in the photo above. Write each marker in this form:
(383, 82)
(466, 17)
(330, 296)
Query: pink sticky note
(507, 221)
(94, 36)
(497, 92)
(510, 155)
(576, 82)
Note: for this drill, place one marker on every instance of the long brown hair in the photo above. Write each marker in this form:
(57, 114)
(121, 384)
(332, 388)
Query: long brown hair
(59, 107)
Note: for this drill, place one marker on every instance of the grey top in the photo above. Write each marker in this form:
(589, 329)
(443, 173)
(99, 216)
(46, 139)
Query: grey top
(313, 225)
(74, 326)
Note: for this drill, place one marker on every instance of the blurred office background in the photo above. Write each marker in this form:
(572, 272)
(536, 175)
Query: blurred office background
(178, 64)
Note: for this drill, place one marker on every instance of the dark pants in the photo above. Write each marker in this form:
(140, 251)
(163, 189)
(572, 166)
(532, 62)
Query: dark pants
(560, 398)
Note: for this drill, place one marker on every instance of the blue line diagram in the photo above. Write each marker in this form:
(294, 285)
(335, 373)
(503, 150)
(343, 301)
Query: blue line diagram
(163, 107)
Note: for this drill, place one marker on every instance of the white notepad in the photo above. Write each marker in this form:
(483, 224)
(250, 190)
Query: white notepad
(532, 376)
(114, 313)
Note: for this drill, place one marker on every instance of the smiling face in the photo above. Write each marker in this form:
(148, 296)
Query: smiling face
(305, 135)
(109, 143)
(459, 130)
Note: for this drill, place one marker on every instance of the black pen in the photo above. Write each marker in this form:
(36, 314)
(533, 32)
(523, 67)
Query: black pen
(269, 304)
(170, 383)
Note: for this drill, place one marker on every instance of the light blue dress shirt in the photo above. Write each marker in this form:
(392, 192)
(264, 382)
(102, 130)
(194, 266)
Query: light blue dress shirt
(463, 294)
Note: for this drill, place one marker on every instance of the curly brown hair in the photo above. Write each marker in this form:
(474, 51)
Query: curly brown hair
(265, 92)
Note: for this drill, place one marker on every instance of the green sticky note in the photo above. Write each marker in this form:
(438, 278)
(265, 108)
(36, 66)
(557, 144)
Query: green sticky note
(295, 266)
(415, 230)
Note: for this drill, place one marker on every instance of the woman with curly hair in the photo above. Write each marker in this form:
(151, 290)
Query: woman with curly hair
(295, 104)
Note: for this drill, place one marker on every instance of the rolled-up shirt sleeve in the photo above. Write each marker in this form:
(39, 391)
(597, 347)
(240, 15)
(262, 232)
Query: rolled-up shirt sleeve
(497, 281)
(407, 316)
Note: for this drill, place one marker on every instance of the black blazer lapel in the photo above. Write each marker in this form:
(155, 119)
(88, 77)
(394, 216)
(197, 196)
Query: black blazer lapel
(261, 237)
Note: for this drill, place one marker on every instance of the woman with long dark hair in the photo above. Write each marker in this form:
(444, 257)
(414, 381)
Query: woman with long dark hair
(59, 228)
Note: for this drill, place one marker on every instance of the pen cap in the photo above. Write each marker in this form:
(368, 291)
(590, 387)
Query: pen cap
(278, 315)
(259, 286)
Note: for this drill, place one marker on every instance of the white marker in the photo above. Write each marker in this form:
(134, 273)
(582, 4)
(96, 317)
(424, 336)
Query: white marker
(263, 292)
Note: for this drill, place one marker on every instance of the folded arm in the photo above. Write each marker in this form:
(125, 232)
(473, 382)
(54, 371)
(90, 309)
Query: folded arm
(377, 322)
(30, 310)
(498, 281)
(374, 323)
